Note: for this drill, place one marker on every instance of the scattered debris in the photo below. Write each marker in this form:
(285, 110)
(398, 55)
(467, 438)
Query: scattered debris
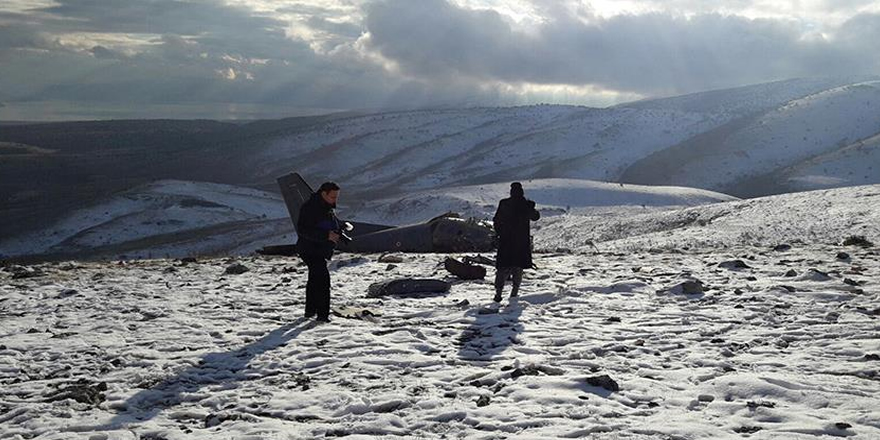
(464, 271)
(407, 286)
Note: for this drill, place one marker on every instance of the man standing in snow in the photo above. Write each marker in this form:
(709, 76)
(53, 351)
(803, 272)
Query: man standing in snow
(317, 228)
(514, 241)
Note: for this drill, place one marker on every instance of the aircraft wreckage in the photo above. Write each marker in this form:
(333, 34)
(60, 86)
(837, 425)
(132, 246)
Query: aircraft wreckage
(442, 234)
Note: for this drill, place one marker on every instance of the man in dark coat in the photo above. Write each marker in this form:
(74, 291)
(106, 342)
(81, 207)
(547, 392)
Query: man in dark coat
(318, 230)
(514, 241)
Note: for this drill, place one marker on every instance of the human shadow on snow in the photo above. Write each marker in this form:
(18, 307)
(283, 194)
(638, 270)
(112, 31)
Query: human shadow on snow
(491, 332)
(212, 368)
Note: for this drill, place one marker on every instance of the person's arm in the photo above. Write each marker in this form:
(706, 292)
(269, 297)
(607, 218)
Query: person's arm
(534, 215)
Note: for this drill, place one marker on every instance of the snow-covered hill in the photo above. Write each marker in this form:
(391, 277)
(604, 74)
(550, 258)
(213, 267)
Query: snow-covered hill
(822, 216)
(748, 156)
(164, 218)
(855, 164)
(553, 197)
(713, 140)
(177, 218)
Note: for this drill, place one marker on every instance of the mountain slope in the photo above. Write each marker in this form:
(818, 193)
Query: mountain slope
(745, 157)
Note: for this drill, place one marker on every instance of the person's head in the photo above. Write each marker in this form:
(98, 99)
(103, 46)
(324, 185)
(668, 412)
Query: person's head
(516, 190)
(329, 191)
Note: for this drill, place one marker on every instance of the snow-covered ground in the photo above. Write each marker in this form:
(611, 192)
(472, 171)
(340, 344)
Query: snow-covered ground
(729, 320)
(163, 349)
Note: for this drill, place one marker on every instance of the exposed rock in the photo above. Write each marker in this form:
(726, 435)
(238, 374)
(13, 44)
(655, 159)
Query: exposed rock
(816, 275)
(842, 256)
(483, 401)
(747, 429)
(534, 370)
(857, 240)
(852, 282)
(21, 272)
(236, 269)
(603, 381)
(782, 247)
(67, 293)
(390, 258)
(81, 391)
(734, 265)
(791, 273)
(690, 287)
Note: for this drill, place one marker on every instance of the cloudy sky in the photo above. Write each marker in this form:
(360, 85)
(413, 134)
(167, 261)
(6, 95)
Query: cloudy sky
(360, 54)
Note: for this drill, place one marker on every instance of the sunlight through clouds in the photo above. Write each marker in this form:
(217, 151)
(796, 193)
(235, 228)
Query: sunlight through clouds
(405, 53)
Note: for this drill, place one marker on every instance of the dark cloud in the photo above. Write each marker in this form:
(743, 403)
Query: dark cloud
(649, 53)
(211, 51)
(156, 17)
(25, 36)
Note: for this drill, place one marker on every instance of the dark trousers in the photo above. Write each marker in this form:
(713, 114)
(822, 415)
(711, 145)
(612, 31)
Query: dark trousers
(502, 274)
(317, 287)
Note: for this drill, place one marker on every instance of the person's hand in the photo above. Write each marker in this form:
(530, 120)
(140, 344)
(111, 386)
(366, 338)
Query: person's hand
(334, 237)
(531, 204)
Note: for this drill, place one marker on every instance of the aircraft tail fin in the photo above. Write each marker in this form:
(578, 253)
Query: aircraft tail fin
(295, 191)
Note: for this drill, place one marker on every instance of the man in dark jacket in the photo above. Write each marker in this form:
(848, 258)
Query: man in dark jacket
(514, 241)
(318, 231)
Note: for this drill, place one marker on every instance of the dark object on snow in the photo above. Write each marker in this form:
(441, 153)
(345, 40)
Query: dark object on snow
(236, 269)
(603, 381)
(842, 256)
(463, 270)
(690, 287)
(287, 250)
(483, 401)
(389, 258)
(355, 313)
(81, 391)
(782, 247)
(479, 259)
(407, 287)
(21, 272)
(445, 233)
(533, 370)
(734, 264)
(791, 273)
(857, 240)
(747, 429)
